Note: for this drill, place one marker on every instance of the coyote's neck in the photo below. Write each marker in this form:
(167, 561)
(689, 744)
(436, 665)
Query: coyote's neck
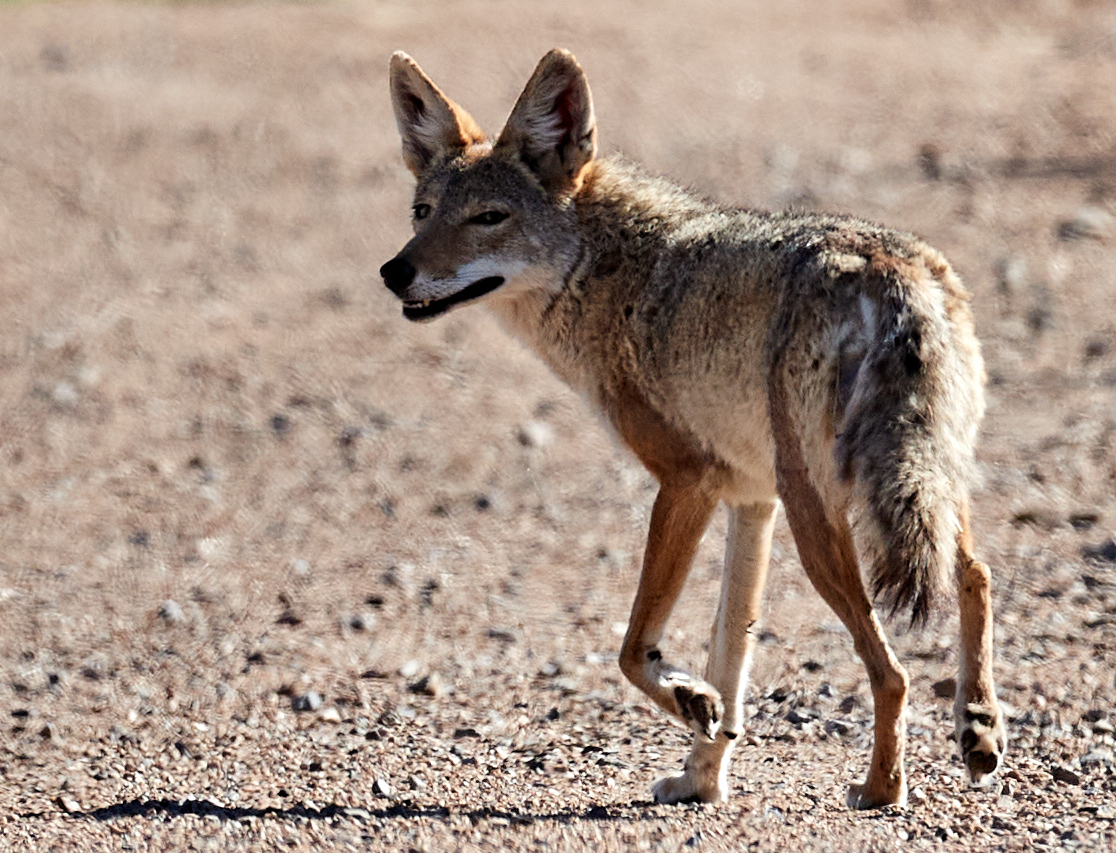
(524, 315)
(622, 219)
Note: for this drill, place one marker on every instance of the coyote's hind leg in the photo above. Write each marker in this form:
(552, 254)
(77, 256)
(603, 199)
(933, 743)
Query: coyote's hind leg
(981, 735)
(705, 776)
(825, 545)
(828, 557)
(679, 518)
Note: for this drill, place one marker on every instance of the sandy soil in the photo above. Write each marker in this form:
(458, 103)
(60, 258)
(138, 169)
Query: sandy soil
(278, 569)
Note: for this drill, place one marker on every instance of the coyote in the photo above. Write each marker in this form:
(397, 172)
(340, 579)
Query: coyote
(746, 358)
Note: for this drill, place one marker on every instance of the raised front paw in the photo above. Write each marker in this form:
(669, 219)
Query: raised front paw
(700, 706)
(982, 739)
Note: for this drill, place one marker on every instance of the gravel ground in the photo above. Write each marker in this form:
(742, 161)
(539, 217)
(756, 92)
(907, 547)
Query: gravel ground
(280, 570)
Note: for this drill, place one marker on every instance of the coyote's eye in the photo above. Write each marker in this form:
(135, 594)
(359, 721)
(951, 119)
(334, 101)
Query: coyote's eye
(420, 211)
(489, 217)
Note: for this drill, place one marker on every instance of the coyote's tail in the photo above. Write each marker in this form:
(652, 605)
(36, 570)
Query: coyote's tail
(910, 426)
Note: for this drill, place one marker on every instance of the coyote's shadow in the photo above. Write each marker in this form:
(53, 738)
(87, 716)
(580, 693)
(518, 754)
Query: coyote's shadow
(399, 811)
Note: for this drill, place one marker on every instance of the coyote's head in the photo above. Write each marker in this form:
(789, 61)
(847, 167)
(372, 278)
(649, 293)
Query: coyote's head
(490, 218)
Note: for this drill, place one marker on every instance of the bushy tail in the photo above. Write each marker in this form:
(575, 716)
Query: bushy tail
(909, 428)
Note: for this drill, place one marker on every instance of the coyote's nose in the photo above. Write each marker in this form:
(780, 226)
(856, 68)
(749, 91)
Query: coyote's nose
(398, 274)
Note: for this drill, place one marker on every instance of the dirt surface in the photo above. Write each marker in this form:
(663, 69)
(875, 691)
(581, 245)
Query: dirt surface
(281, 570)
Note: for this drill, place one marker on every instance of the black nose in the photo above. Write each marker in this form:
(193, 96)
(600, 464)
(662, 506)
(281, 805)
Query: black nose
(398, 274)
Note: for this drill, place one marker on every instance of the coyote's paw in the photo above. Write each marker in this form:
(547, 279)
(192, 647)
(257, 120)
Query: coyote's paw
(874, 796)
(700, 706)
(982, 739)
(700, 782)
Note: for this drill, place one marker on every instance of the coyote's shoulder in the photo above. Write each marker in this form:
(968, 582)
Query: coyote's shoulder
(745, 358)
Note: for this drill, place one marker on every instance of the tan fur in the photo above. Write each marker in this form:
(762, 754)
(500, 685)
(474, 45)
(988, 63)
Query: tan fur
(745, 358)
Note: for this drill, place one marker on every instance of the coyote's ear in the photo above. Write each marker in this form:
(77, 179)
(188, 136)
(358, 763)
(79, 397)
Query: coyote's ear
(429, 122)
(552, 128)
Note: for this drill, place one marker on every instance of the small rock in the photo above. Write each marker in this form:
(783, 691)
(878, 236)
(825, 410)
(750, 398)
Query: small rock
(409, 669)
(930, 161)
(1084, 520)
(1096, 348)
(1064, 774)
(417, 783)
(330, 715)
(945, 689)
(1011, 272)
(390, 718)
(799, 717)
(837, 727)
(289, 616)
(426, 595)
(308, 701)
(504, 635)
(380, 787)
(944, 833)
(1041, 315)
(1039, 517)
(1091, 223)
(430, 685)
(68, 805)
(535, 434)
(363, 622)
(171, 611)
(1103, 553)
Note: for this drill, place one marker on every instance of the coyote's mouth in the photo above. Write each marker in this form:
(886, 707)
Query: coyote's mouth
(428, 309)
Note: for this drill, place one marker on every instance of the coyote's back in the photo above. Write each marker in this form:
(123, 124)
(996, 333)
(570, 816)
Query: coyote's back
(744, 358)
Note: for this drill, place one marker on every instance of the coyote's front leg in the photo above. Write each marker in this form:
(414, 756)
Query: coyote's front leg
(678, 519)
(705, 776)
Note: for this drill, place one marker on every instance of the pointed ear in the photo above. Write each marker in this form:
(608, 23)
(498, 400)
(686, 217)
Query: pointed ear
(429, 122)
(552, 128)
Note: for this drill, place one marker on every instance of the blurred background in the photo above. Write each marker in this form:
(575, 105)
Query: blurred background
(218, 436)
